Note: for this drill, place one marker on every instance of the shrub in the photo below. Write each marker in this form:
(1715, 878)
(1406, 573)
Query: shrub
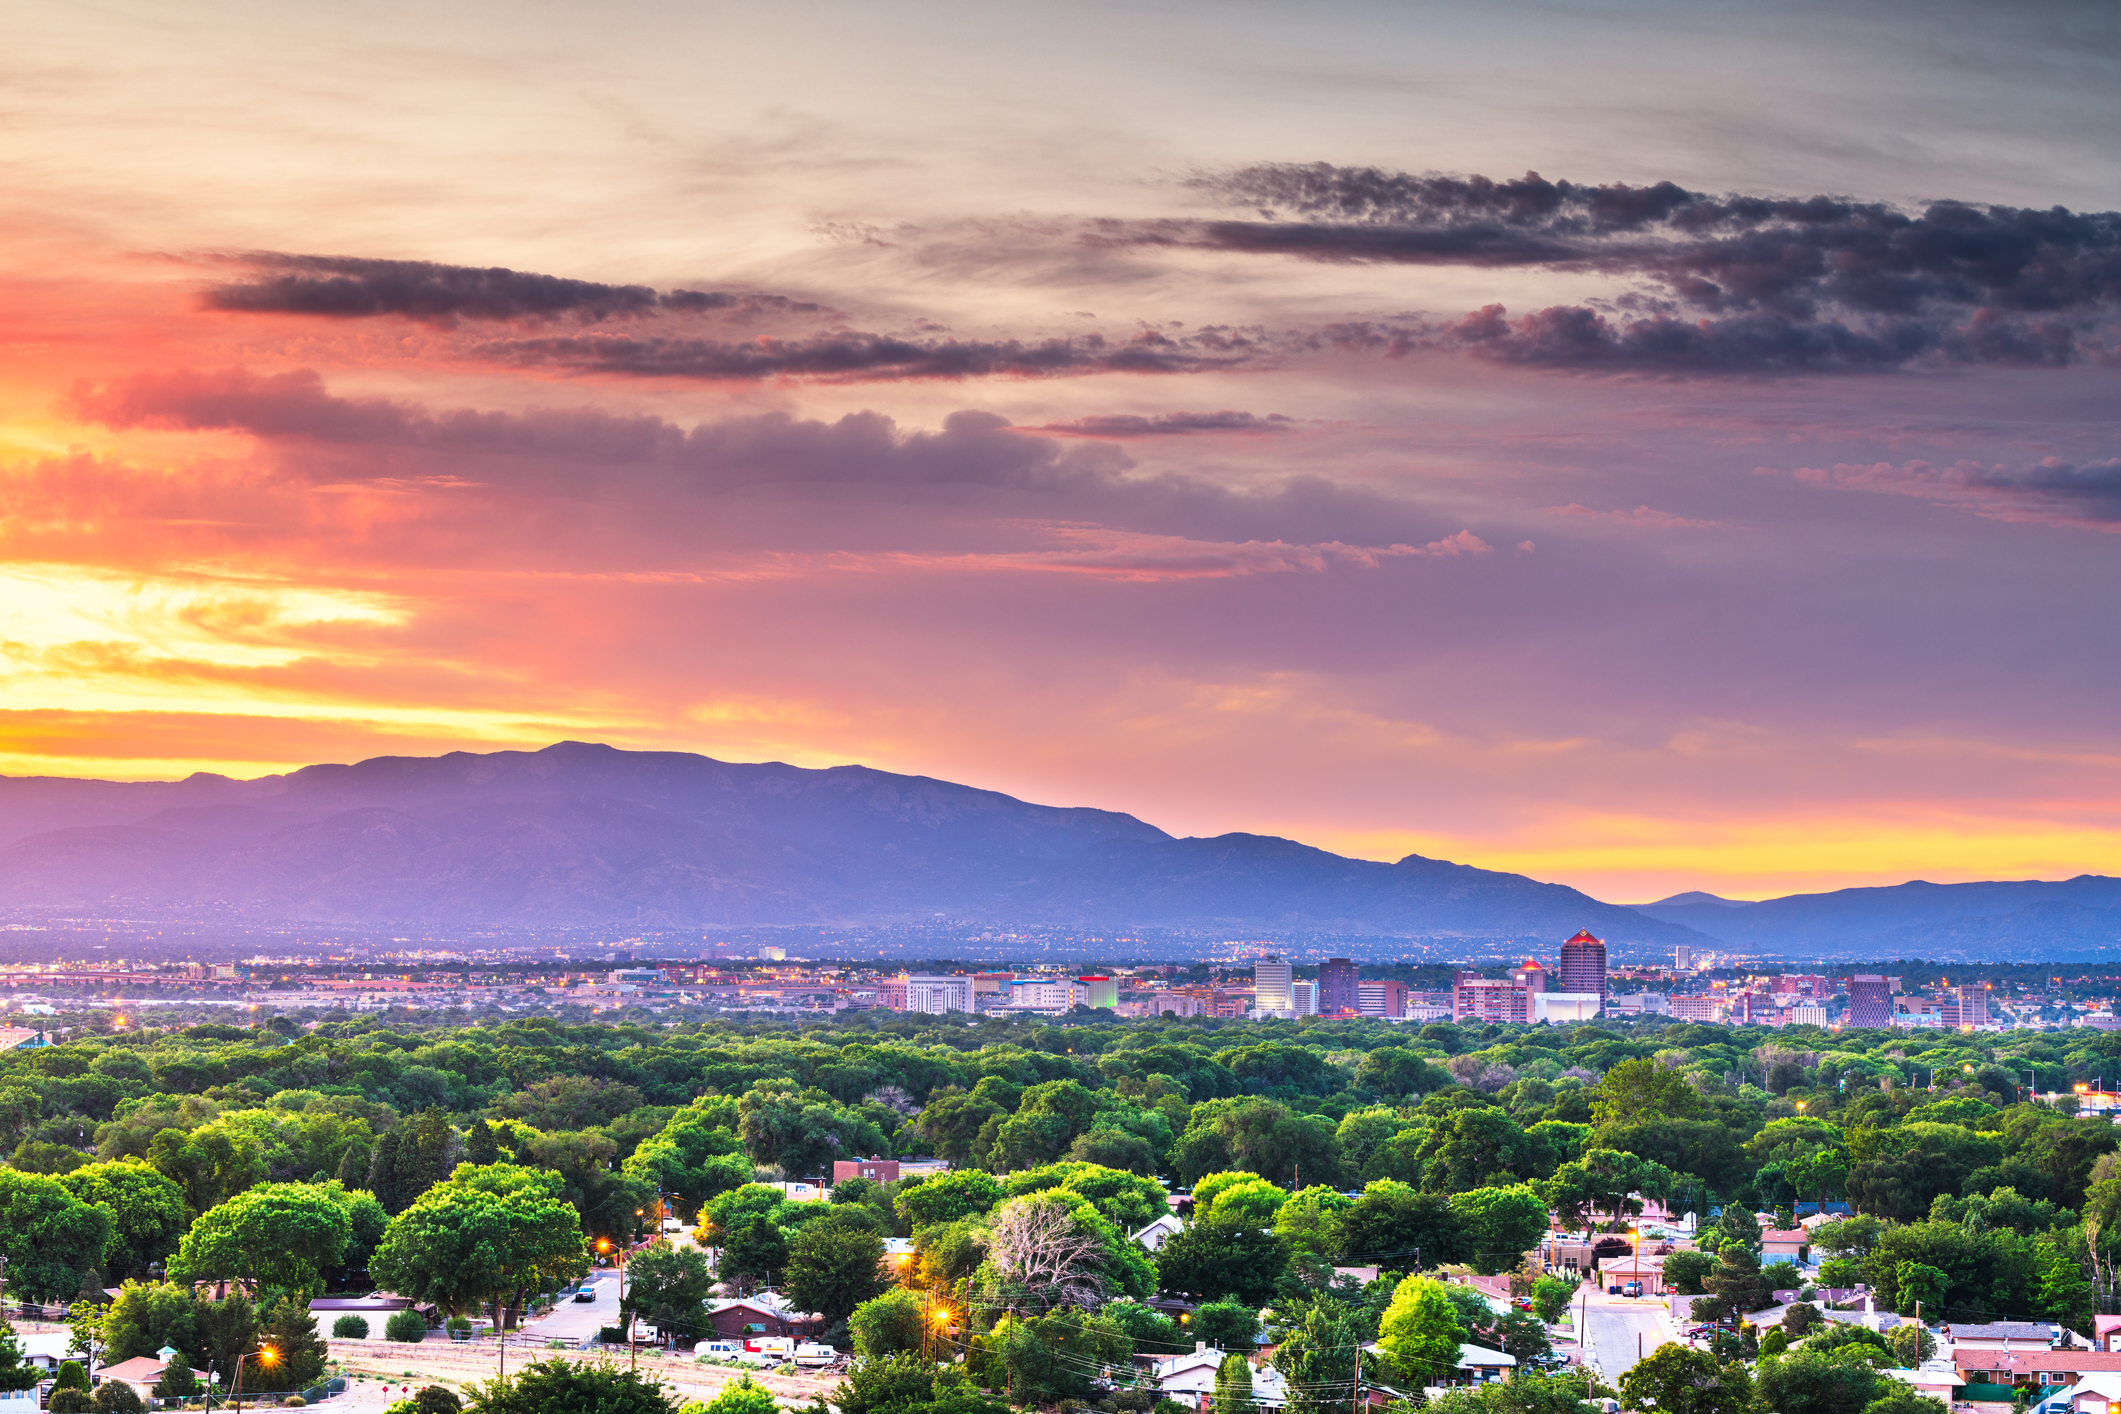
(71, 1376)
(611, 1335)
(117, 1397)
(71, 1401)
(433, 1399)
(350, 1327)
(458, 1324)
(407, 1326)
(294, 1401)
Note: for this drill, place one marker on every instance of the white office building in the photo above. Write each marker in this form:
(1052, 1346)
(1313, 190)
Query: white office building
(1565, 1006)
(1303, 998)
(936, 994)
(1050, 994)
(1272, 981)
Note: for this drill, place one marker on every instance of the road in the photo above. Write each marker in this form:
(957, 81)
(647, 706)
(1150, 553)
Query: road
(580, 1319)
(1615, 1325)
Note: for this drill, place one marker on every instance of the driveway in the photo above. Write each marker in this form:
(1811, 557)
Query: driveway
(580, 1319)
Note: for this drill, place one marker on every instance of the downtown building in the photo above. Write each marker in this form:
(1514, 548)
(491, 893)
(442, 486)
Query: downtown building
(1274, 987)
(1339, 988)
(1870, 1001)
(1582, 968)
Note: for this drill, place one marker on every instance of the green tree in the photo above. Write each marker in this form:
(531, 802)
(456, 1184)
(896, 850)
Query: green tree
(833, 1268)
(50, 1238)
(489, 1236)
(145, 1317)
(212, 1163)
(1220, 1256)
(1227, 1325)
(569, 1387)
(802, 1132)
(742, 1395)
(177, 1381)
(952, 1121)
(1319, 1357)
(668, 1287)
(1899, 1399)
(1310, 1222)
(146, 1208)
(1233, 1386)
(2065, 1295)
(1919, 1285)
(1395, 1226)
(1421, 1332)
(1819, 1382)
(754, 1250)
(1912, 1344)
(1499, 1225)
(948, 1197)
(1638, 1091)
(16, 1371)
(226, 1329)
(1738, 1281)
(1687, 1270)
(284, 1235)
(292, 1331)
(1551, 1296)
(1677, 1380)
(887, 1324)
(116, 1397)
(907, 1384)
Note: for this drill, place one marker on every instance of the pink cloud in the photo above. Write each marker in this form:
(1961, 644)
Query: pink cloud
(2048, 492)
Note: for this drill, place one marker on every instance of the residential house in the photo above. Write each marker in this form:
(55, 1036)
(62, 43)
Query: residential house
(141, 1372)
(1998, 1335)
(1189, 1379)
(2034, 1367)
(17, 1038)
(1159, 1231)
(1791, 1244)
(1647, 1270)
(2094, 1394)
(2104, 1331)
(768, 1313)
(1481, 1363)
(1936, 1380)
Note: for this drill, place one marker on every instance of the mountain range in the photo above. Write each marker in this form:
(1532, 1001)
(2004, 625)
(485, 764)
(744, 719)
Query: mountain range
(582, 835)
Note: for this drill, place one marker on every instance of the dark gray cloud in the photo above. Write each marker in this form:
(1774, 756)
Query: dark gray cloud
(861, 357)
(347, 287)
(1120, 426)
(1731, 283)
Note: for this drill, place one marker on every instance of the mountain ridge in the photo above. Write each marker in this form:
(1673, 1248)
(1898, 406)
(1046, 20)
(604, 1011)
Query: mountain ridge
(581, 834)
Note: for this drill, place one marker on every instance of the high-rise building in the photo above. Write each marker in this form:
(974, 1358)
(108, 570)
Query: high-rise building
(1272, 978)
(1339, 989)
(1382, 998)
(1489, 999)
(1870, 1001)
(1682, 957)
(1530, 975)
(1583, 964)
(1303, 998)
(1973, 1006)
(937, 994)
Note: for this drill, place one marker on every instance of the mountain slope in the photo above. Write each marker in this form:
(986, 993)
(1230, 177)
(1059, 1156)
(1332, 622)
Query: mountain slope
(1908, 920)
(580, 835)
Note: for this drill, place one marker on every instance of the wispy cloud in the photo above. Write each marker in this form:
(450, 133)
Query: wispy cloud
(1121, 426)
(1642, 518)
(2048, 492)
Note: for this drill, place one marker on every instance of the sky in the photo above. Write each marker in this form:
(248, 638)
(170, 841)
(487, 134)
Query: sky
(1645, 446)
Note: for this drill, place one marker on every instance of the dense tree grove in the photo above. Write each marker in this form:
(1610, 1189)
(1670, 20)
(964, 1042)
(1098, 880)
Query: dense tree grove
(478, 1166)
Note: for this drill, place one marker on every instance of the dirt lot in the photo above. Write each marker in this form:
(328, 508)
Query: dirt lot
(385, 1366)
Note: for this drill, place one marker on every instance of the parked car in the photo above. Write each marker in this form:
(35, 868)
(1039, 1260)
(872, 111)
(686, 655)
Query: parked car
(586, 1292)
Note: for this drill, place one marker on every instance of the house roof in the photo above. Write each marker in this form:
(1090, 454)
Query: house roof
(1787, 1234)
(1165, 1222)
(766, 1303)
(2102, 1324)
(2107, 1387)
(2000, 1330)
(1933, 1372)
(1472, 1357)
(140, 1370)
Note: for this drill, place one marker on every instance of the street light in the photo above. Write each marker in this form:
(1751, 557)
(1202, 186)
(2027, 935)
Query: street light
(633, 1354)
(266, 1356)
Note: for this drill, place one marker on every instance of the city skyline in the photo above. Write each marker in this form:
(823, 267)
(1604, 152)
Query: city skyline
(1643, 448)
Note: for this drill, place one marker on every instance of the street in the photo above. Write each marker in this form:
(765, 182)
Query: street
(1615, 1323)
(580, 1320)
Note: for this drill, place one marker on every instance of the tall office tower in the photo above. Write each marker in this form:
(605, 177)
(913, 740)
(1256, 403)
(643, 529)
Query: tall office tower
(1338, 987)
(1530, 975)
(1870, 1001)
(1271, 980)
(1303, 998)
(1973, 1006)
(1682, 957)
(1583, 964)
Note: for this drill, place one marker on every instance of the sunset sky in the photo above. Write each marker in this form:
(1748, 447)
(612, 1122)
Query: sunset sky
(1189, 409)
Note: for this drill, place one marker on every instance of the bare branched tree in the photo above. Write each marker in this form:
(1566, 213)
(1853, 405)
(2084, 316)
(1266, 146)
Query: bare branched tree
(1045, 1257)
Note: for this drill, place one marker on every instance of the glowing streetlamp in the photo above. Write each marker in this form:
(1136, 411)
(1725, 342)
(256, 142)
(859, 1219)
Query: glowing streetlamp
(265, 1355)
(633, 1354)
